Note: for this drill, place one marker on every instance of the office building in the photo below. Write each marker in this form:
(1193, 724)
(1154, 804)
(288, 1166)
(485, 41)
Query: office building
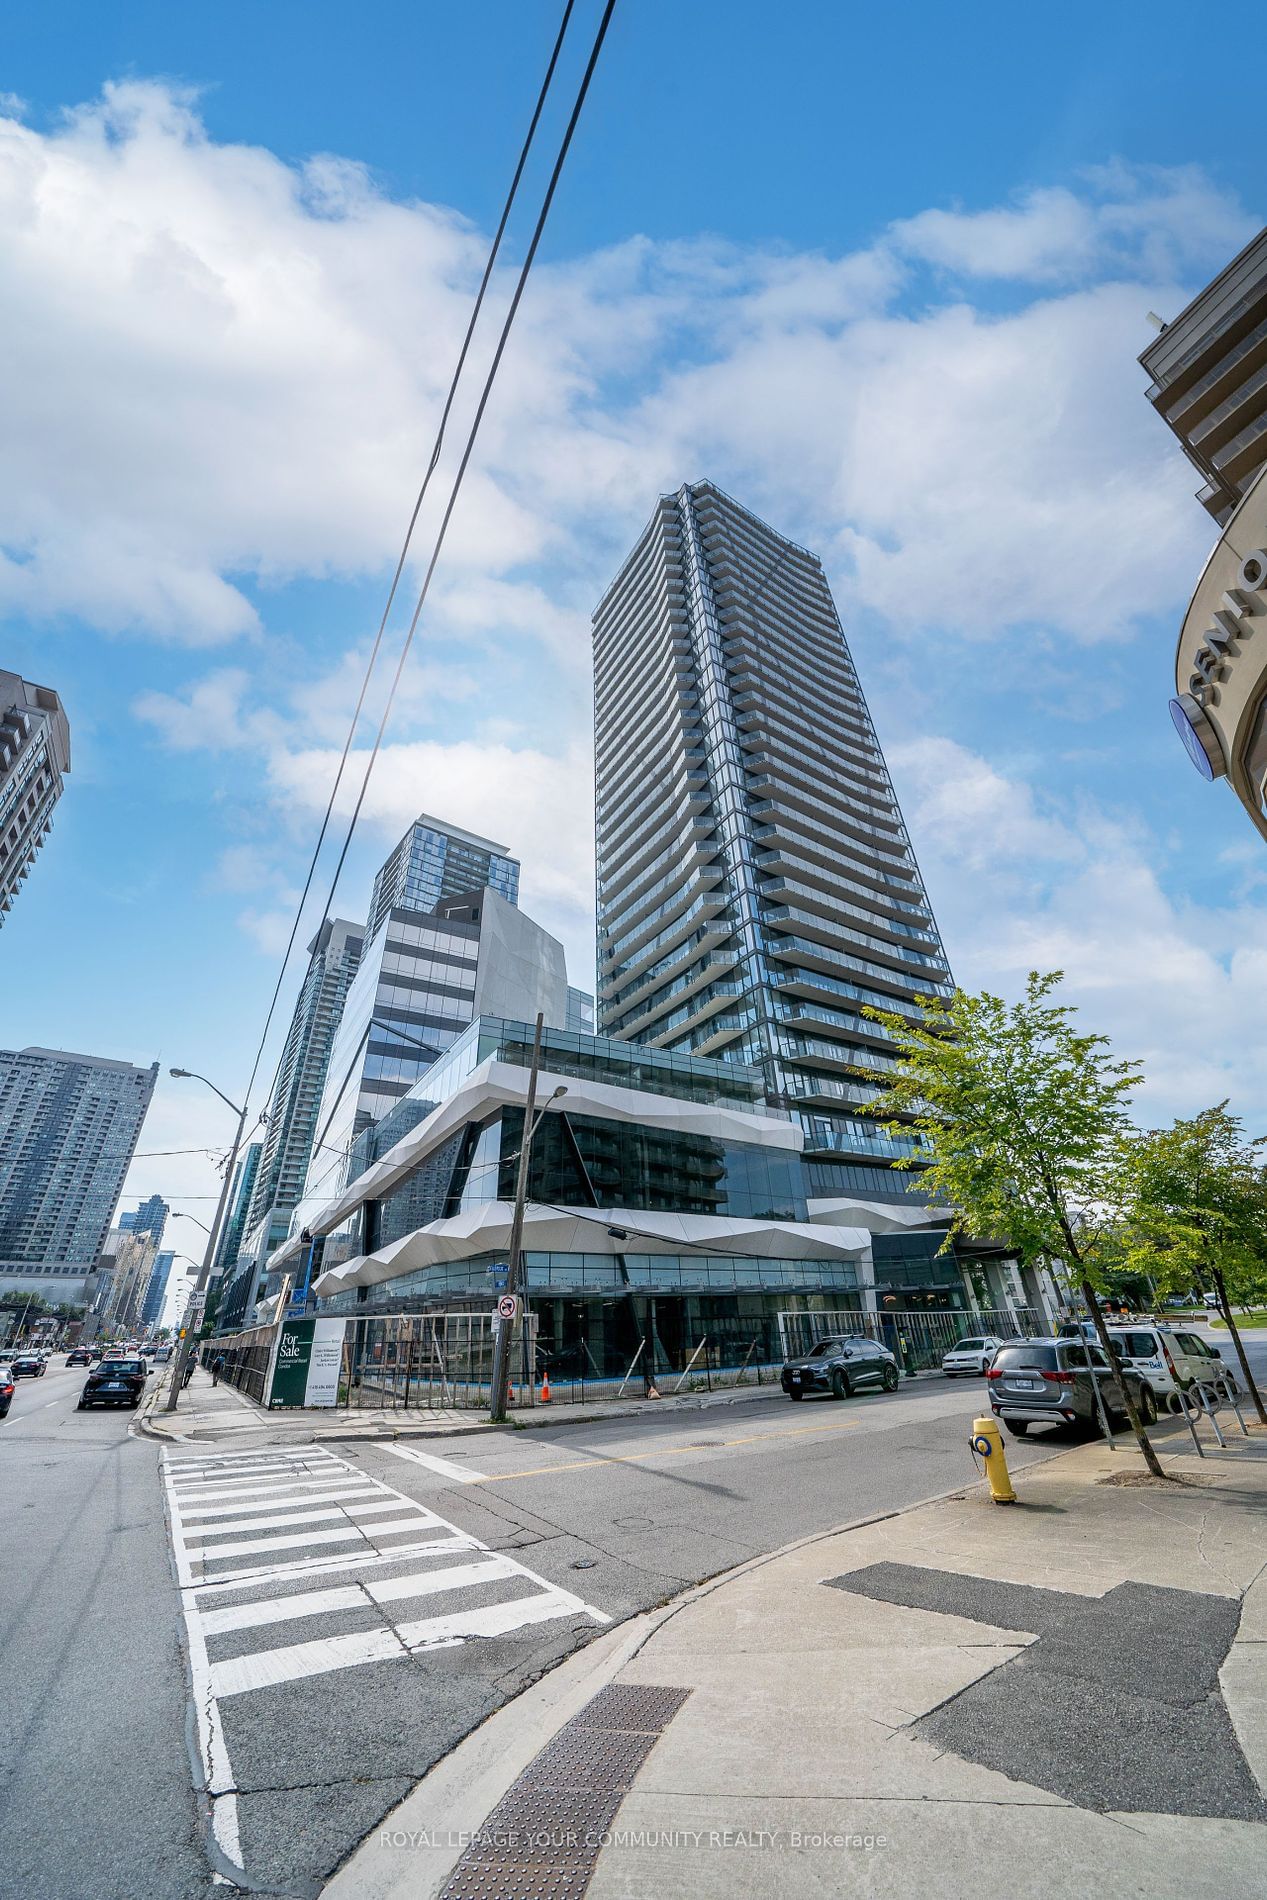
(148, 1217)
(580, 1011)
(434, 861)
(668, 1202)
(1209, 371)
(1209, 380)
(68, 1129)
(756, 886)
(156, 1291)
(278, 1180)
(34, 759)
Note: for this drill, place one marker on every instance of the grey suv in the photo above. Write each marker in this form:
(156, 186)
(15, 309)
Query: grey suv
(1050, 1382)
(840, 1365)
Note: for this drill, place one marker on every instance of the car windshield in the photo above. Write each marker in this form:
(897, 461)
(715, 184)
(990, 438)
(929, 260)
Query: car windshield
(1026, 1357)
(825, 1346)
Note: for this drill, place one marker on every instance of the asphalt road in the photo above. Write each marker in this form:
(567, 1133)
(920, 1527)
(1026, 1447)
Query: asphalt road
(96, 1795)
(355, 1610)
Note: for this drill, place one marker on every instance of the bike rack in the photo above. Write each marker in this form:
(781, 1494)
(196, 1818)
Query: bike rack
(1209, 1397)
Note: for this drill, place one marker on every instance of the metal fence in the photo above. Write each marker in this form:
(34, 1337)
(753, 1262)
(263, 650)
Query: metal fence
(919, 1340)
(420, 1360)
(246, 1357)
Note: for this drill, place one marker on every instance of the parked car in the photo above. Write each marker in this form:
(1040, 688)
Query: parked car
(840, 1365)
(114, 1382)
(1052, 1382)
(6, 1390)
(971, 1355)
(1211, 1300)
(1167, 1358)
(79, 1356)
(27, 1365)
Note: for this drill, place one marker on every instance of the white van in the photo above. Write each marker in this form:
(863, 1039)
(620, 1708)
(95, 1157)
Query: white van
(1166, 1359)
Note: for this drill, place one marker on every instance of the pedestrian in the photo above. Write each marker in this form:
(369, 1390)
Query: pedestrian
(189, 1370)
(217, 1367)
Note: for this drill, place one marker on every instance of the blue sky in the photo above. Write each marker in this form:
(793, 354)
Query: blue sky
(882, 275)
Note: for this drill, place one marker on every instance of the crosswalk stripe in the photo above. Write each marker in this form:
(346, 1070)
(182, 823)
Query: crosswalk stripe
(243, 1508)
(201, 1533)
(284, 1543)
(327, 1565)
(296, 1487)
(266, 1667)
(354, 1596)
(499, 1620)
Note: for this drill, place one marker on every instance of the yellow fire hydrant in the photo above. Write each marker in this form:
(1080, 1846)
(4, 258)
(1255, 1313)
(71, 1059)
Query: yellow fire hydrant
(987, 1442)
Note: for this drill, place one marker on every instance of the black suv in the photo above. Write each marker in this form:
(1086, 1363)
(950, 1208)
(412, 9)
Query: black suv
(114, 1382)
(840, 1365)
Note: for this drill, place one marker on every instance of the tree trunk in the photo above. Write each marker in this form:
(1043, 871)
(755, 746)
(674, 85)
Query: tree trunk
(1225, 1308)
(1137, 1424)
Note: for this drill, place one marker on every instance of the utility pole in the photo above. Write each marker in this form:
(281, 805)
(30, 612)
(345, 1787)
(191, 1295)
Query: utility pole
(506, 1327)
(208, 1258)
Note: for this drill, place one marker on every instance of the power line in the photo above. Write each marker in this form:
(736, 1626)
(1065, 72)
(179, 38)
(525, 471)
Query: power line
(478, 305)
(473, 433)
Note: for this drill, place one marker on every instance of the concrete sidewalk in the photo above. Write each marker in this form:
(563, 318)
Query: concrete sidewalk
(1068, 1695)
(208, 1412)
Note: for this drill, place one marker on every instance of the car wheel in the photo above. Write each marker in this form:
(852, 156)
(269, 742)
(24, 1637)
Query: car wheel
(950, 1375)
(840, 1386)
(1146, 1405)
(1016, 1427)
(82, 1406)
(796, 1393)
(985, 1367)
(889, 1380)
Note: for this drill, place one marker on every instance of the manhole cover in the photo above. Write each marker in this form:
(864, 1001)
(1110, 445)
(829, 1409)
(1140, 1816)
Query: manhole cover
(584, 1563)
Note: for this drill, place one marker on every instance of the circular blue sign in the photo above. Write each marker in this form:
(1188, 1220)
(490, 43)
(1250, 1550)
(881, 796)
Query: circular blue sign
(1199, 737)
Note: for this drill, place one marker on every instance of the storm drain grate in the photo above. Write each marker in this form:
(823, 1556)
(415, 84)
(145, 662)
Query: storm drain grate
(541, 1842)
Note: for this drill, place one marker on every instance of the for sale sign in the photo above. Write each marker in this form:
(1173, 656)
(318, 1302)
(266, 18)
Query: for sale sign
(307, 1359)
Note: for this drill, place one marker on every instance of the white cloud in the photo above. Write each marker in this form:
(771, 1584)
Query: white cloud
(213, 715)
(1023, 879)
(222, 366)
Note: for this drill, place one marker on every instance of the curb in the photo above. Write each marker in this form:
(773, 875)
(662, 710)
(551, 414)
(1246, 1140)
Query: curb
(565, 1416)
(456, 1795)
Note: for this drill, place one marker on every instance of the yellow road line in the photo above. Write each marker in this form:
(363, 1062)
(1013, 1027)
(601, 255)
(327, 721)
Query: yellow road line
(663, 1451)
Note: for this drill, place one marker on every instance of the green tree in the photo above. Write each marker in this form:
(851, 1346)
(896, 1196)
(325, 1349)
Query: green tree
(1025, 1124)
(1198, 1215)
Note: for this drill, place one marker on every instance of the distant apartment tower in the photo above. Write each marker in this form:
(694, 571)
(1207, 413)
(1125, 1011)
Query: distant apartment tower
(148, 1217)
(68, 1129)
(580, 1012)
(245, 1174)
(156, 1291)
(34, 759)
(756, 885)
(333, 957)
(434, 861)
(1209, 379)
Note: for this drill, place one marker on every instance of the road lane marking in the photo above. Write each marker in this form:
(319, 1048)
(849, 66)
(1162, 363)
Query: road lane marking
(664, 1451)
(461, 1474)
(202, 1533)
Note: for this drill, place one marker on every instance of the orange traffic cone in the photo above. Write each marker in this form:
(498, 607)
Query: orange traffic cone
(545, 1388)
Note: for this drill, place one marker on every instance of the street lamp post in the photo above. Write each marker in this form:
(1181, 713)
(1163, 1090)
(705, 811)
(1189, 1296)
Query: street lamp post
(208, 1258)
(506, 1327)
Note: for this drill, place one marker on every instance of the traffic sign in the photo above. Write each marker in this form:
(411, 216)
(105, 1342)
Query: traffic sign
(501, 1274)
(508, 1305)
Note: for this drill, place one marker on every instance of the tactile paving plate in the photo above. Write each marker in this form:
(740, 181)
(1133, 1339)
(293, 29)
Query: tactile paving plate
(544, 1837)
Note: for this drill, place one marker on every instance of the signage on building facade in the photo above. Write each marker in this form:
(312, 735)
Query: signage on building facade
(1220, 707)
